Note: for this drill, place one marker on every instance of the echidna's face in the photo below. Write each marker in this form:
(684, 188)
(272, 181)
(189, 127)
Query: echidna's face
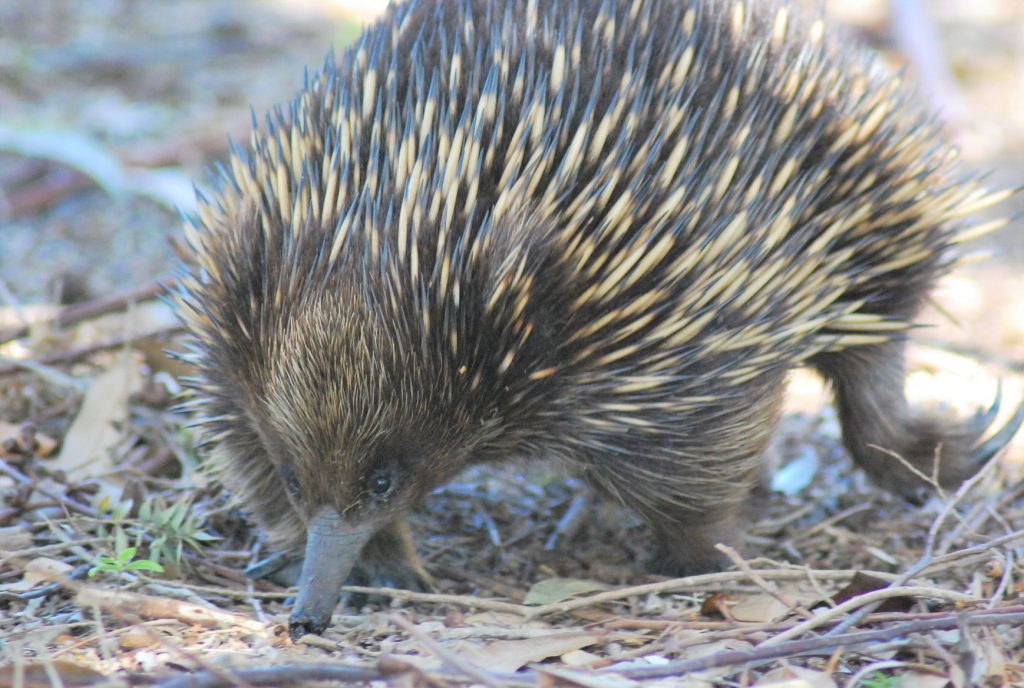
(348, 421)
(355, 434)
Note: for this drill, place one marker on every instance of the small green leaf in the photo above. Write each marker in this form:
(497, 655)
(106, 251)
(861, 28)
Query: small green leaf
(126, 555)
(179, 513)
(101, 567)
(145, 565)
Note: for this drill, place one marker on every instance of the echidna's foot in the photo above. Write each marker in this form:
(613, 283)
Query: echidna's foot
(904, 452)
(943, 451)
(689, 548)
(984, 448)
(388, 561)
(281, 568)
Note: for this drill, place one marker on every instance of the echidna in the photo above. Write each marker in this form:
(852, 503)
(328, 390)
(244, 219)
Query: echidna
(598, 232)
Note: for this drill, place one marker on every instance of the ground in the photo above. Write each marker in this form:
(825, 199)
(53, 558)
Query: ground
(109, 110)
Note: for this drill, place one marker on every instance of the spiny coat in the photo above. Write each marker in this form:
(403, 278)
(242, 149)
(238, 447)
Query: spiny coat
(593, 231)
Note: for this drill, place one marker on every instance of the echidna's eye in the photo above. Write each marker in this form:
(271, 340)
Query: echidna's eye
(291, 481)
(380, 485)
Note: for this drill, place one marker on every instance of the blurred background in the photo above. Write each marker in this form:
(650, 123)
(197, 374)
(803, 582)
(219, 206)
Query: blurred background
(110, 109)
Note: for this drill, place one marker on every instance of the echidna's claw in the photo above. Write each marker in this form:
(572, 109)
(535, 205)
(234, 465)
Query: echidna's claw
(986, 449)
(281, 568)
(983, 419)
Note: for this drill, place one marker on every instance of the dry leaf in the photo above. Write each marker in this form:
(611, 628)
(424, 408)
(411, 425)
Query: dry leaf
(758, 608)
(579, 658)
(863, 583)
(39, 570)
(86, 450)
(796, 677)
(712, 648)
(136, 639)
(558, 589)
(511, 655)
(139, 319)
(37, 676)
(916, 679)
(10, 431)
(13, 538)
(716, 604)
(587, 680)
(493, 619)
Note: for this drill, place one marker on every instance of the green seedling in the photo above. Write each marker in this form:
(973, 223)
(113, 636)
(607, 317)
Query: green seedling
(124, 561)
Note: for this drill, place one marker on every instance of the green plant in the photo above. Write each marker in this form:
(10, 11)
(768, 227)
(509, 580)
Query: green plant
(165, 530)
(172, 528)
(124, 561)
(880, 680)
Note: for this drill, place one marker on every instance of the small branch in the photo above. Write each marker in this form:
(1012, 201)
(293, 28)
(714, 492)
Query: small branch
(287, 675)
(86, 351)
(434, 598)
(765, 653)
(153, 607)
(865, 601)
(92, 309)
(69, 503)
(928, 555)
(771, 589)
(113, 603)
(687, 584)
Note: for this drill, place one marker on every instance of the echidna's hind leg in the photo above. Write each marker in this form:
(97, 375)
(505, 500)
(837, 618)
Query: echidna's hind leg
(878, 424)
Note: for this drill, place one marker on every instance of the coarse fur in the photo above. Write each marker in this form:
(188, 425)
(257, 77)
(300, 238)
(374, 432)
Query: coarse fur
(593, 231)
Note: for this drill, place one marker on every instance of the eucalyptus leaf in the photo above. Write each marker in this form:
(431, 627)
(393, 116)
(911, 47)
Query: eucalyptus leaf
(558, 589)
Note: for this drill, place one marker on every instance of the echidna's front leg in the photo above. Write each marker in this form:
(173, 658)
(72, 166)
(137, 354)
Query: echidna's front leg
(389, 560)
(884, 434)
(692, 485)
(688, 520)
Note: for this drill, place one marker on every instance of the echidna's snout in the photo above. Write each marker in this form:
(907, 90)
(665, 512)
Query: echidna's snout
(332, 549)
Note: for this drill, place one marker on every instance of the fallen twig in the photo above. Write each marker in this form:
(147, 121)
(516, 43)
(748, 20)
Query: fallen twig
(286, 675)
(766, 653)
(91, 309)
(84, 352)
(153, 607)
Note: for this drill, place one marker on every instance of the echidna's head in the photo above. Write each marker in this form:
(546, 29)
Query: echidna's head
(353, 418)
(323, 388)
(360, 427)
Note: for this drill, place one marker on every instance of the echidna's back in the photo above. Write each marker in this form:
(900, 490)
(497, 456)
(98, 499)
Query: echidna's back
(704, 154)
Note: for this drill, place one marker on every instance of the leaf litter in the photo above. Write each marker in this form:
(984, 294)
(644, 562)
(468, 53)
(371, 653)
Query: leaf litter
(537, 583)
(123, 498)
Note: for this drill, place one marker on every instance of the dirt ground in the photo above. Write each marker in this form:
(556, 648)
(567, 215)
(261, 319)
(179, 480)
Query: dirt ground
(110, 110)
